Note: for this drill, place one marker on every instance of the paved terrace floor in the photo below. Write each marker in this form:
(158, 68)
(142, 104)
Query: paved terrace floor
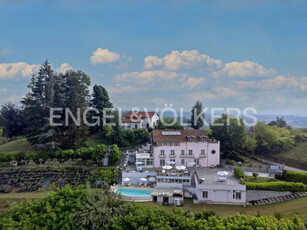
(211, 177)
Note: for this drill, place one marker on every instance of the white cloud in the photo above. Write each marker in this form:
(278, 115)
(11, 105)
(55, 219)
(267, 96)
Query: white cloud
(8, 70)
(186, 59)
(125, 89)
(201, 96)
(103, 56)
(243, 69)
(147, 76)
(225, 92)
(3, 90)
(192, 82)
(64, 67)
(275, 83)
(214, 94)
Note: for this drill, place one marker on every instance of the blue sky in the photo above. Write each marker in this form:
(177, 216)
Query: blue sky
(151, 53)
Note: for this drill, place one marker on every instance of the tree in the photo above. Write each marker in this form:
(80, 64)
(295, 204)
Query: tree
(198, 116)
(45, 92)
(100, 208)
(118, 134)
(231, 133)
(280, 122)
(12, 120)
(272, 138)
(100, 101)
(77, 100)
(115, 155)
(168, 123)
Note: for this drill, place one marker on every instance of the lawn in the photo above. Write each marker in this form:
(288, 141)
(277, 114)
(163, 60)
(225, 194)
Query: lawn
(16, 146)
(7, 198)
(296, 157)
(286, 208)
(94, 141)
(259, 179)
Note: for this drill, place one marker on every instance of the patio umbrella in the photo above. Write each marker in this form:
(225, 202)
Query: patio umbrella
(139, 168)
(222, 173)
(181, 167)
(170, 162)
(143, 179)
(139, 163)
(152, 179)
(167, 167)
(126, 179)
(191, 163)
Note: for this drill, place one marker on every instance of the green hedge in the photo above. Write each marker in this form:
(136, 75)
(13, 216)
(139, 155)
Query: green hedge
(276, 186)
(96, 154)
(239, 173)
(296, 176)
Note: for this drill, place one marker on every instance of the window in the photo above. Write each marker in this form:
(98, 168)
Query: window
(196, 161)
(172, 152)
(170, 143)
(236, 195)
(159, 143)
(164, 143)
(182, 161)
(176, 143)
(205, 194)
(213, 151)
(162, 162)
(190, 152)
(162, 153)
(149, 162)
(202, 152)
(182, 152)
(202, 139)
(190, 139)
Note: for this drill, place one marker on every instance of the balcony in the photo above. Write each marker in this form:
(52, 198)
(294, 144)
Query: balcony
(172, 156)
(183, 155)
(202, 156)
(162, 155)
(192, 156)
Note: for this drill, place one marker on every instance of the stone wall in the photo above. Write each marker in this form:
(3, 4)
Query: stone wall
(263, 194)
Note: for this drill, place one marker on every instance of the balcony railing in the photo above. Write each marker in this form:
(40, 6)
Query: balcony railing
(183, 155)
(202, 155)
(162, 155)
(172, 155)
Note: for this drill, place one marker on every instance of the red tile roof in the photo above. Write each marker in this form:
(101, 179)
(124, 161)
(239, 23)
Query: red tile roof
(183, 137)
(133, 117)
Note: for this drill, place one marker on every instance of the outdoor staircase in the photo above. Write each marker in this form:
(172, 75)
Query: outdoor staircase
(278, 199)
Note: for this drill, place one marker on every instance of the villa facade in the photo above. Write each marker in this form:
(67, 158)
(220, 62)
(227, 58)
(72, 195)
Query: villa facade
(140, 120)
(190, 148)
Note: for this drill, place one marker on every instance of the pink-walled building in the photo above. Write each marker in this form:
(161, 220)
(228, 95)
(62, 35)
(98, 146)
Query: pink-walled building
(190, 148)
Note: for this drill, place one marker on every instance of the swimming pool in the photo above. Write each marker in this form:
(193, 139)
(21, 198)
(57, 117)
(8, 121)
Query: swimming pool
(133, 192)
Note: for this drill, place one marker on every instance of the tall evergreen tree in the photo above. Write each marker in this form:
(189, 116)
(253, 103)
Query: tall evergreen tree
(100, 100)
(11, 120)
(77, 98)
(45, 92)
(198, 116)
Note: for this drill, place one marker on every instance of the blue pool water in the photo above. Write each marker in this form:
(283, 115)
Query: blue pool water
(133, 192)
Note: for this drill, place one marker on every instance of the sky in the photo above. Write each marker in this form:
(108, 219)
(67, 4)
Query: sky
(157, 53)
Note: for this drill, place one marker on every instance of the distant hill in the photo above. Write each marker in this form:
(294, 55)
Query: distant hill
(292, 120)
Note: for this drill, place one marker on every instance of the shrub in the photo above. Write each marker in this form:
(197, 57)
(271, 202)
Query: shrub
(255, 175)
(239, 173)
(296, 176)
(276, 186)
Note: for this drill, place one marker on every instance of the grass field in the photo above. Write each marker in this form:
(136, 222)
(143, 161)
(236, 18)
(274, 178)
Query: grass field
(296, 157)
(259, 179)
(16, 146)
(7, 198)
(286, 208)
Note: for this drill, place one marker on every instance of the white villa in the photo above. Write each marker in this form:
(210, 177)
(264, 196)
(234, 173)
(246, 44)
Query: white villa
(140, 120)
(183, 162)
